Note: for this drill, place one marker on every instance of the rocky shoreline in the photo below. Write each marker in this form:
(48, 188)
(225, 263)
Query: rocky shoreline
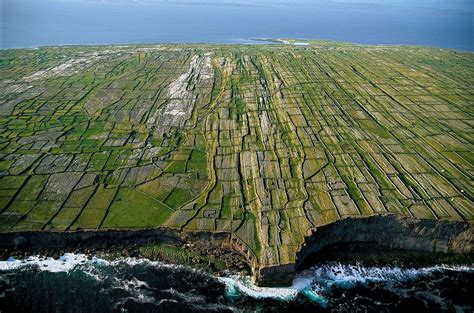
(214, 253)
(377, 239)
(211, 258)
(375, 255)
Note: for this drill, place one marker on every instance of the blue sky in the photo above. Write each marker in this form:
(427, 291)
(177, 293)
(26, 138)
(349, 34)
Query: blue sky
(453, 4)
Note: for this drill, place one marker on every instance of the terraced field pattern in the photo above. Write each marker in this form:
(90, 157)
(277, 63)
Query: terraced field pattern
(264, 142)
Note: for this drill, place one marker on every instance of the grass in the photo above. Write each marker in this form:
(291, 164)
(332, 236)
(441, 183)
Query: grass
(133, 209)
(351, 130)
(178, 197)
(168, 253)
(181, 256)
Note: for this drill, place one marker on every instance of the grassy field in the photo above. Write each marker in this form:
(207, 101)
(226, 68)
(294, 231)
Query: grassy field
(265, 141)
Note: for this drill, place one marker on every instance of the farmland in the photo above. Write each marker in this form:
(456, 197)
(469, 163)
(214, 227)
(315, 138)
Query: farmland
(263, 142)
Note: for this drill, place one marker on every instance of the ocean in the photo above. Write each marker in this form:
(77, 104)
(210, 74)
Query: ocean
(28, 23)
(76, 283)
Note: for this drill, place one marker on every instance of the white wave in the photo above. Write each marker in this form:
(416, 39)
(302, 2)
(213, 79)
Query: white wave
(64, 264)
(135, 289)
(69, 261)
(316, 282)
(236, 285)
(346, 276)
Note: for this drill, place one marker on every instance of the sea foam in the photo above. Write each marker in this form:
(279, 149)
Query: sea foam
(64, 264)
(314, 284)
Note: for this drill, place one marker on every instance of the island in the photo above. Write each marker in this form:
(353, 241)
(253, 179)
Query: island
(271, 151)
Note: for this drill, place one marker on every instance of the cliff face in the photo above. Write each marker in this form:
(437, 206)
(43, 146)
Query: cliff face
(388, 231)
(112, 239)
(86, 238)
(393, 232)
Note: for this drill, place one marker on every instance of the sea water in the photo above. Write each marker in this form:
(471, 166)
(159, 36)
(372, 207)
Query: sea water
(76, 283)
(27, 23)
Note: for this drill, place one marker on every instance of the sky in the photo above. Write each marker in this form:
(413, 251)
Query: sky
(439, 4)
(452, 6)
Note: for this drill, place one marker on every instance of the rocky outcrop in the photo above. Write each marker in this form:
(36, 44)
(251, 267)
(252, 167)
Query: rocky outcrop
(393, 232)
(388, 231)
(274, 276)
(127, 242)
(105, 238)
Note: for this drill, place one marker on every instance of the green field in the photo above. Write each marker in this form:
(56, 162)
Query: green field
(265, 142)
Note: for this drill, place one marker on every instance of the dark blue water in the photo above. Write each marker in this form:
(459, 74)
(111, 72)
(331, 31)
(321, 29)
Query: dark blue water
(77, 284)
(27, 23)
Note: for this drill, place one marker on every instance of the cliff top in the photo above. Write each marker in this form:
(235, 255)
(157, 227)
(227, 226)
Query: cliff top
(264, 142)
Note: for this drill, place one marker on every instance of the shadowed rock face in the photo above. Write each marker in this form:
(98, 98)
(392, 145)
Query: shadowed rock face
(387, 231)
(393, 232)
(263, 143)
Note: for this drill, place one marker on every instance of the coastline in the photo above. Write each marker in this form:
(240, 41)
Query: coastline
(133, 283)
(211, 252)
(295, 42)
(350, 240)
(186, 182)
